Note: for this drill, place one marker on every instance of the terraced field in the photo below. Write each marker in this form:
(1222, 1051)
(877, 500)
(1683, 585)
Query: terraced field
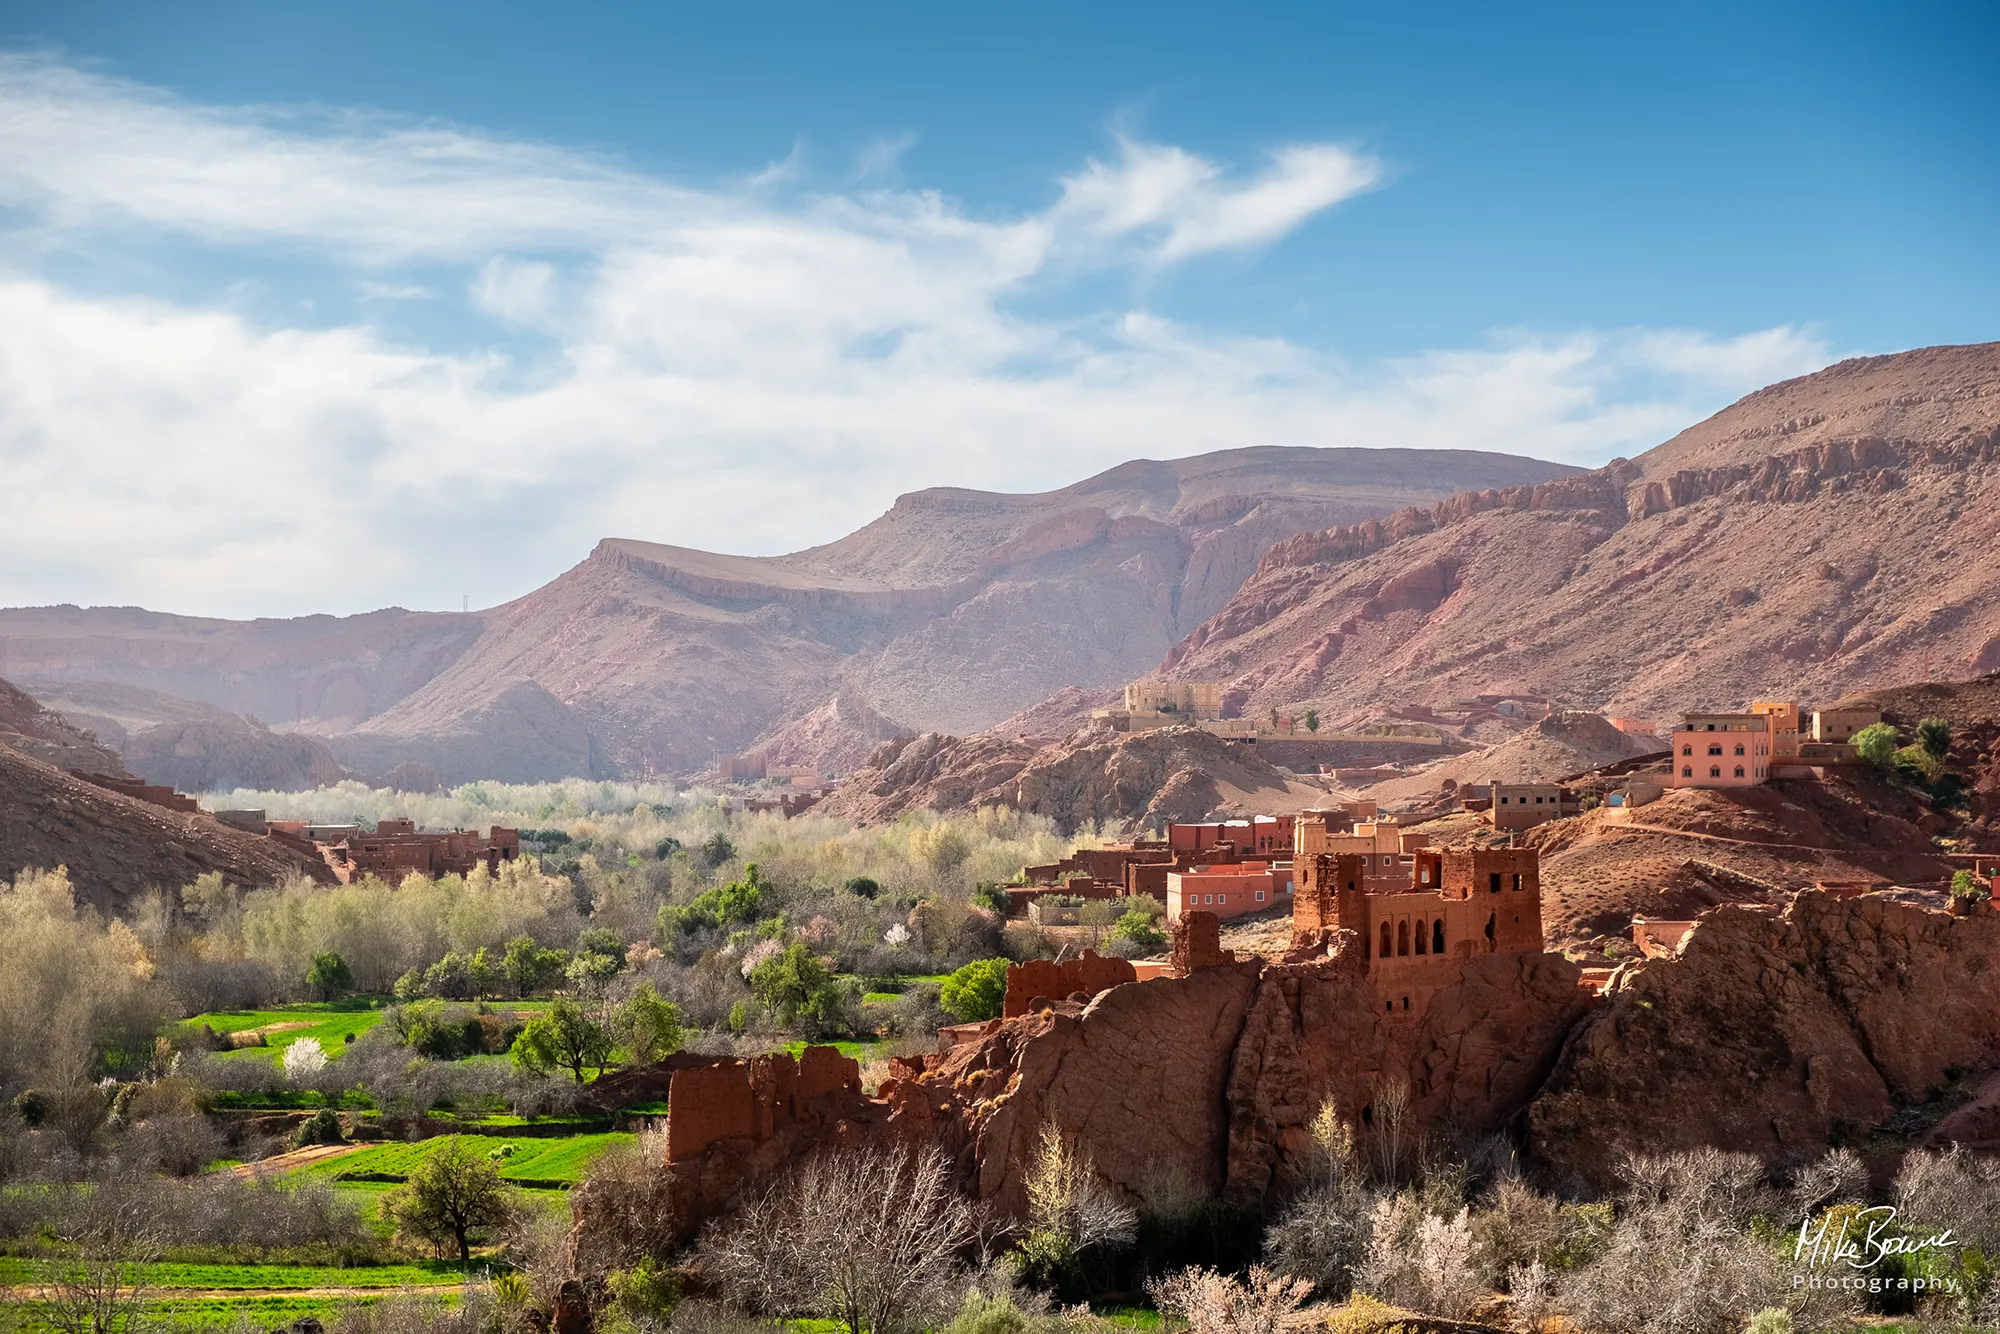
(532, 1160)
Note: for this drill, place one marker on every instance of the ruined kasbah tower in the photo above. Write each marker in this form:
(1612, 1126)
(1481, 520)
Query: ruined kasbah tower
(1414, 939)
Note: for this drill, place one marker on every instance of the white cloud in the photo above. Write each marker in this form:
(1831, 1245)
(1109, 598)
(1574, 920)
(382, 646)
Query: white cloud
(732, 366)
(1183, 196)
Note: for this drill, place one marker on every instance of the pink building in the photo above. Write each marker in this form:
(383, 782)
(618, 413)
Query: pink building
(1229, 889)
(1724, 749)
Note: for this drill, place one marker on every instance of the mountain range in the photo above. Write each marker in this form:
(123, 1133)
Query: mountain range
(1820, 536)
(950, 612)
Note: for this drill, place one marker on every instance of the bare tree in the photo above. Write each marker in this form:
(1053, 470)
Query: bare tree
(1391, 1141)
(868, 1237)
(100, 1286)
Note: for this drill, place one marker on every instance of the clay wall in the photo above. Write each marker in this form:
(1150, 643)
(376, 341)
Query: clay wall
(707, 1104)
(731, 1100)
(1524, 805)
(151, 793)
(1044, 979)
(1198, 944)
(1506, 884)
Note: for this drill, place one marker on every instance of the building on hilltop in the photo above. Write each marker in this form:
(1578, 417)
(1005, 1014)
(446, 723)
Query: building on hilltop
(1524, 805)
(1415, 938)
(396, 849)
(1839, 724)
(1383, 845)
(1723, 750)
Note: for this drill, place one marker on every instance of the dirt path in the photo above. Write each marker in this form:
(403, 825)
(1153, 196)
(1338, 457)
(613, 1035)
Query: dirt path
(285, 1162)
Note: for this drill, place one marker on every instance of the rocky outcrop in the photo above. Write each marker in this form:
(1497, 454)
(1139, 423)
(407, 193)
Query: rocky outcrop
(1138, 779)
(223, 754)
(1774, 1034)
(48, 736)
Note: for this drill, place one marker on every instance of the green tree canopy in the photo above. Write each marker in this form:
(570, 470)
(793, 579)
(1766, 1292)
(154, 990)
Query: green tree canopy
(1876, 745)
(452, 1192)
(1139, 928)
(1312, 720)
(329, 976)
(648, 1027)
(975, 992)
(1934, 735)
(801, 993)
(529, 968)
(564, 1037)
(738, 901)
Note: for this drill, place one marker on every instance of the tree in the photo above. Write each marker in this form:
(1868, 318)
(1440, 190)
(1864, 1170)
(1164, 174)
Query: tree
(866, 1238)
(303, 1060)
(647, 1027)
(529, 968)
(1312, 720)
(1934, 735)
(717, 850)
(976, 992)
(863, 887)
(329, 976)
(454, 1190)
(1965, 885)
(1876, 745)
(480, 975)
(738, 901)
(1139, 928)
(562, 1038)
(802, 993)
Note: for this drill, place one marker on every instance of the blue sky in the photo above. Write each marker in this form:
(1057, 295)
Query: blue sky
(493, 281)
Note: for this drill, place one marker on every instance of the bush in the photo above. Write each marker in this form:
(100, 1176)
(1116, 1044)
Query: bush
(322, 1127)
(976, 992)
(329, 977)
(1965, 885)
(562, 1038)
(1140, 928)
(863, 886)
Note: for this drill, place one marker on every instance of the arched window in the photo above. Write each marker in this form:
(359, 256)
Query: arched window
(1687, 750)
(1402, 939)
(1739, 771)
(1387, 947)
(1492, 919)
(1739, 750)
(1715, 750)
(1437, 936)
(1423, 942)
(1715, 771)
(1687, 771)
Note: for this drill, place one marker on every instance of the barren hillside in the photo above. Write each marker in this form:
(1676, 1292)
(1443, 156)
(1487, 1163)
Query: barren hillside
(1119, 781)
(48, 736)
(114, 846)
(1816, 538)
(951, 611)
(189, 745)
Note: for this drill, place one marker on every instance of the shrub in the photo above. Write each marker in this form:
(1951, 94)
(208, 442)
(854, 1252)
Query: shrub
(1965, 885)
(562, 1038)
(1138, 927)
(976, 992)
(329, 976)
(322, 1127)
(1075, 1224)
(863, 887)
(1210, 1303)
(1934, 735)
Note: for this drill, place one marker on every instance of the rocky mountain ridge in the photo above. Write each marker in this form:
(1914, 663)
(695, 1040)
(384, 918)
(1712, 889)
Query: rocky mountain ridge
(1816, 538)
(951, 611)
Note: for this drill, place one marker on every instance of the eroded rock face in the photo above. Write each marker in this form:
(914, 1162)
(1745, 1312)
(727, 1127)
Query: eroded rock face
(1773, 1034)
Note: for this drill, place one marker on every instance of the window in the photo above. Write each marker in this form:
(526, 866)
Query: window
(1739, 771)
(1687, 750)
(1686, 772)
(1437, 936)
(1493, 883)
(1517, 882)
(1715, 750)
(1222, 898)
(1739, 750)
(1260, 896)
(1503, 801)
(1386, 951)
(1423, 939)
(1402, 938)
(1715, 771)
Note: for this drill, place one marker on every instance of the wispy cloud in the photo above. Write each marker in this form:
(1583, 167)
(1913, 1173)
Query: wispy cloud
(744, 365)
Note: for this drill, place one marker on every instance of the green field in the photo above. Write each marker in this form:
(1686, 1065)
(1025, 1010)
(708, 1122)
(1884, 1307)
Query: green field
(268, 1278)
(533, 1159)
(329, 1021)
